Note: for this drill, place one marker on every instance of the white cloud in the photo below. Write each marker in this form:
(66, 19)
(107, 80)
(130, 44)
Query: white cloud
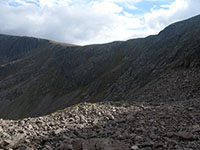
(131, 6)
(86, 22)
(122, 1)
(80, 23)
(165, 6)
(157, 19)
(106, 7)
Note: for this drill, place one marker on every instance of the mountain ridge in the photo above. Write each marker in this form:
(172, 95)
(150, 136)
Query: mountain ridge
(50, 76)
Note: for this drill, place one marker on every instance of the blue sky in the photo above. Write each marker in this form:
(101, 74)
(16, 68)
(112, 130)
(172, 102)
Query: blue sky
(92, 21)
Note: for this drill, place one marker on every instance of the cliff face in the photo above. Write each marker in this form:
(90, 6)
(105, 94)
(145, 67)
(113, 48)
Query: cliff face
(13, 47)
(39, 76)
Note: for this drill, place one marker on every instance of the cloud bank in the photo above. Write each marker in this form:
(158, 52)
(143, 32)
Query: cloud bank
(90, 21)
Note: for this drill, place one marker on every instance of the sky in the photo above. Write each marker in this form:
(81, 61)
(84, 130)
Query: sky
(85, 22)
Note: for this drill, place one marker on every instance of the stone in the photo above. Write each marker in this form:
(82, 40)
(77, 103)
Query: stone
(195, 128)
(140, 129)
(1, 129)
(135, 147)
(186, 135)
(4, 144)
(146, 144)
(129, 117)
(30, 127)
(158, 145)
(111, 117)
(22, 147)
(138, 139)
(80, 134)
(109, 144)
(65, 146)
(170, 134)
(77, 144)
(171, 143)
(71, 120)
(16, 140)
(48, 147)
(132, 135)
(58, 131)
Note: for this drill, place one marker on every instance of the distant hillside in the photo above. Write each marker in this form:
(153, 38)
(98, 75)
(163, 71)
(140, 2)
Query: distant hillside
(39, 76)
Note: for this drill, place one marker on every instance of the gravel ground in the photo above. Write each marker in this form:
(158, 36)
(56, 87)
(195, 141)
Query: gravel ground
(108, 126)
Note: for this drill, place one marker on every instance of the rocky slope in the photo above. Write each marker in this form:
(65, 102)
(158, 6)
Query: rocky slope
(108, 126)
(172, 86)
(157, 77)
(38, 76)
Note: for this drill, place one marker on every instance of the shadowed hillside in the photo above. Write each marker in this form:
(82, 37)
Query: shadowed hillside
(39, 76)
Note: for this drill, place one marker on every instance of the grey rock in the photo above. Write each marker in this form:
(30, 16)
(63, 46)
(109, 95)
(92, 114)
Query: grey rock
(186, 136)
(14, 142)
(135, 147)
(157, 145)
(77, 144)
(1, 129)
(48, 147)
(65, 146)
(195, 128)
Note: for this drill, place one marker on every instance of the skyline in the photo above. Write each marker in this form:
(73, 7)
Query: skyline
(92, 21)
